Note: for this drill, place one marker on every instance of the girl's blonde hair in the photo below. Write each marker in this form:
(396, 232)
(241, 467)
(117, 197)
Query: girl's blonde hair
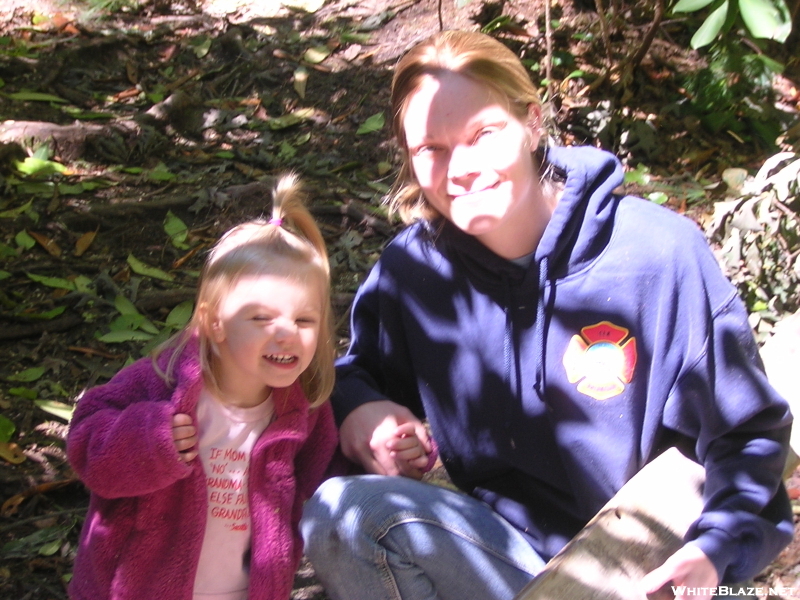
(289, 244)
(472, 54)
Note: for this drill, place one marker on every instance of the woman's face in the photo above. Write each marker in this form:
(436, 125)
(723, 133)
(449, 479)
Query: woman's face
(472, 159)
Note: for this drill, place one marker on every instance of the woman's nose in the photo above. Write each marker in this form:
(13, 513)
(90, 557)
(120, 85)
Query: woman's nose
(463, 162)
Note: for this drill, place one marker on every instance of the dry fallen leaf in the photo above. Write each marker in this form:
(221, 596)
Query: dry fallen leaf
(300, 81)
(52, 248)
(11, 453)
(83, 243)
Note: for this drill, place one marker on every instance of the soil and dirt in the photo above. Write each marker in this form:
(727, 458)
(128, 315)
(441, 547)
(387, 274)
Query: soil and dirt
(189, 110)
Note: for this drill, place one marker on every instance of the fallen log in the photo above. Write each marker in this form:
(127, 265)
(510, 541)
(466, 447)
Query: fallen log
(635, 532)
(781, 356)
(68, 142)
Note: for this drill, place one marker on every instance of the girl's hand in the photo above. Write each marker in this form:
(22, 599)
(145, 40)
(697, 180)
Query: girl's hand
(184, 434)
(408, 451)
(688, 568)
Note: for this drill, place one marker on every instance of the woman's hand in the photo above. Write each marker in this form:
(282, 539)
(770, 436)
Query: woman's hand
(688, 568)
(369, 437)
(184, 434)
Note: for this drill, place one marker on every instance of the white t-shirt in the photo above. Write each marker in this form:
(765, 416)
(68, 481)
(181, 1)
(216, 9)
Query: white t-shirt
(227, 436)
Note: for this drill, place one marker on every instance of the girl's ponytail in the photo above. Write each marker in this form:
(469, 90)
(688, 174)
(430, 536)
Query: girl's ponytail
(288, 209)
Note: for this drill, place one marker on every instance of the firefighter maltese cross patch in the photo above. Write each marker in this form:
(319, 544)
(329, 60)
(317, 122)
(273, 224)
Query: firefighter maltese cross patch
(599, 361)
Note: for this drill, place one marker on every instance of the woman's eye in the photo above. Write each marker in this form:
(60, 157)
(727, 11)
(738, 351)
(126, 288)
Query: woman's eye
(423, 150)
(485, 133)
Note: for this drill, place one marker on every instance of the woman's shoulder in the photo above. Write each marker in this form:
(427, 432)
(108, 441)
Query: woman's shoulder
(414, 245)
(651, 223)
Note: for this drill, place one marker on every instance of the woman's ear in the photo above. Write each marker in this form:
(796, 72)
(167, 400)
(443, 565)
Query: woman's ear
(534, 124)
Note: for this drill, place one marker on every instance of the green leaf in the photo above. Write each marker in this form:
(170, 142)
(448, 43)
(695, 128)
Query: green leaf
(15, 212)
(372, 124)
(31, 544)
(7, 429)
(130, 322)
(286, 151)
(640, 175)
(179, 316)
(23, 392)
(710, 27)
(46, 316)
(690, 5)
(176, 230)
(51, 548)
(316, 54)
(285, 121)
(141, 268)
(657, 197)
(125, 306)
(35, 97)
(734, 178)
(36, 166)
(27, 375)
(160, 173)
(42, 188)
(53, 282)
(117, 337)
(200, 45)
(24, 240)
(4, 275)
(83, 284)
(78, 113)
(59, 409)
(768, 19)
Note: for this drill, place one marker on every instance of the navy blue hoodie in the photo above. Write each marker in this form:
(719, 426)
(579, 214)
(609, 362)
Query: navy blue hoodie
(547, 387)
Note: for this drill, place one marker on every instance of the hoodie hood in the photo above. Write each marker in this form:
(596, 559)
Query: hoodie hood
(579, 228)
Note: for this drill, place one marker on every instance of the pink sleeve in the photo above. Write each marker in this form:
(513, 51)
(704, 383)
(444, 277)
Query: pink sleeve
(120, 437)
(313, 460)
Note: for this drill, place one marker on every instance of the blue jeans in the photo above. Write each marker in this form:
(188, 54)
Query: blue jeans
(372, 537)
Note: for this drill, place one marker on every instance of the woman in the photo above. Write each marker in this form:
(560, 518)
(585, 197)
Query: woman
(557, 337)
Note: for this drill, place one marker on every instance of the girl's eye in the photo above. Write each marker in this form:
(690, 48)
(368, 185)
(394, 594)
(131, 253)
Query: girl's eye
(262, 318)
(306, 321)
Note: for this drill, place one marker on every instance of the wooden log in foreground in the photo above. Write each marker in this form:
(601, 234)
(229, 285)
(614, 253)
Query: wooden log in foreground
(781, 356)
(634, 533)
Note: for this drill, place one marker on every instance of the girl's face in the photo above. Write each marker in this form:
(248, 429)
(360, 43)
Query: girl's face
(472, 159)
(266, 331)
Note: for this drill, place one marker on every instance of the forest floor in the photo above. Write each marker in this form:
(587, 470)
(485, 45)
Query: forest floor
(171, 120)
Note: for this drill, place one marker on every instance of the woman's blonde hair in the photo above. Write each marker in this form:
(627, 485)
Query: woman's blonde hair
(472, 54)
(290, 245)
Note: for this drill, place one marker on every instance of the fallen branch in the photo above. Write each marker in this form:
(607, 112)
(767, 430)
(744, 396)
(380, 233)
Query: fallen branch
(12, 332)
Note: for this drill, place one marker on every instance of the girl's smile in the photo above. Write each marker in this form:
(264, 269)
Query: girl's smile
(266, 331)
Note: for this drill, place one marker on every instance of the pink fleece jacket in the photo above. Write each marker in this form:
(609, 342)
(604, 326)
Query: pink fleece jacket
(143, 532)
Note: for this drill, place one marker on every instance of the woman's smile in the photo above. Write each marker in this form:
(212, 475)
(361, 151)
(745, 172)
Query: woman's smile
(473, 161)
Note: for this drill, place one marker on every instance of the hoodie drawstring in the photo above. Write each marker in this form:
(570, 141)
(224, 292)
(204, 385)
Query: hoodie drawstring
(539, 382)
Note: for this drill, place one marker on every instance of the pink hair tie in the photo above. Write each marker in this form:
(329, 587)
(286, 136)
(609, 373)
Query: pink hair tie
(276, 222)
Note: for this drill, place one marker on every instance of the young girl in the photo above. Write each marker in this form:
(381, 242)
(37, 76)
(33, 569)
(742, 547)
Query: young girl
(558, 336)
(199, 459)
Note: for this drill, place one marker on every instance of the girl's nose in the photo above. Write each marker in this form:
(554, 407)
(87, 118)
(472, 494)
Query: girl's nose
(284, 329)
